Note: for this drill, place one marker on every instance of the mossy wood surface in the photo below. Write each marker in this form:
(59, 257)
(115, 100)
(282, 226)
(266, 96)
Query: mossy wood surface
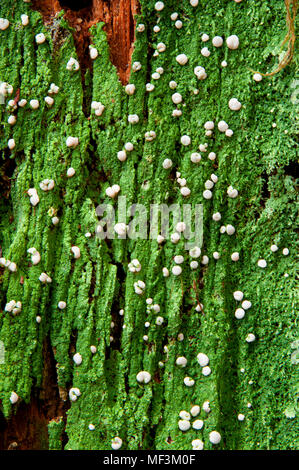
(257, 160)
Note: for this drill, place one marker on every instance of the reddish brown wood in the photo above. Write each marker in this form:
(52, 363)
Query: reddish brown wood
(118, 16)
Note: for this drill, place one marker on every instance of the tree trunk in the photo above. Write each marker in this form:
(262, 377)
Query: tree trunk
(61, 404)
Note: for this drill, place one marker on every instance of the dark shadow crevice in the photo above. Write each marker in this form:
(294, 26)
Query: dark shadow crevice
(27, 428)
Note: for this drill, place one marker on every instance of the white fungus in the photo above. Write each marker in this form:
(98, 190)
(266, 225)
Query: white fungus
(130, 89)
(74, 393)
(116, 443)
(195, 157)
(72, 65)
(206, 371)
(250, 338)
(4, 23)
(77, 358)
(214, 437)
(188, 381)
(217, 41)
(181, 361)
(176, 270)
(262, 263)
(93, 52)
(184, 424)
(167, 163)
(257, 77)
(13, 396)
(200, 72)
(240, 313)
(159, 6)
(178, 24)
(238, 295)
(40, 38)
(195, 410)
(206, 406)
(202, 359)
(197, 444)
(222, 126)
(143, 377)
(182, 59)
(197, 424)
(232, 42)
(234, 104)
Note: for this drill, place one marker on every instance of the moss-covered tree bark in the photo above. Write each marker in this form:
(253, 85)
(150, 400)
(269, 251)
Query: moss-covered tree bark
(256, 379)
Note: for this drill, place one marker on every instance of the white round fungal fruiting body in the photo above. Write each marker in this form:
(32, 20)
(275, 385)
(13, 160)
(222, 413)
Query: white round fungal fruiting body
(234, 104)
(235, 256)
(70, 172)
(77, 358)
(61, 305)
(184, 424)
(195, 157)
(257, 77)
(122, 156)
(206, 406)
(4, 23)
(240, 313)
(216, 217)
(214, 437)
(188, 381)
(238, 295)
(182, 59)
(197, 424)
(12, 120)
(232, 42)
(143, 377)
(72, 141)
(197, 444)
(130, 89)
(116, 443)
(13, 396)
(74, 393)
(262, 263)
(11, 144)
(185, 415)
(207, 194)
(40, 38)
(93, 53)
(167, 163)
(241, 417)
(181, 361)
(76, 251)
(185, 140)
(205, 52)
(202, 359)
(133, 118)
(222, 126)
(159, 6)
(217, 41)
(230, 229)
(176, 98)
(206, 371)
(246, 304)
(176, 270)
(195, 410)
(274, 248)
(250, 338)
(200, 72)
(185, 191)
(34, 104)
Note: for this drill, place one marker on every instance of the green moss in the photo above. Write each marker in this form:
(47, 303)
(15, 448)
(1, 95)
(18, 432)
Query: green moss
(95, 286)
